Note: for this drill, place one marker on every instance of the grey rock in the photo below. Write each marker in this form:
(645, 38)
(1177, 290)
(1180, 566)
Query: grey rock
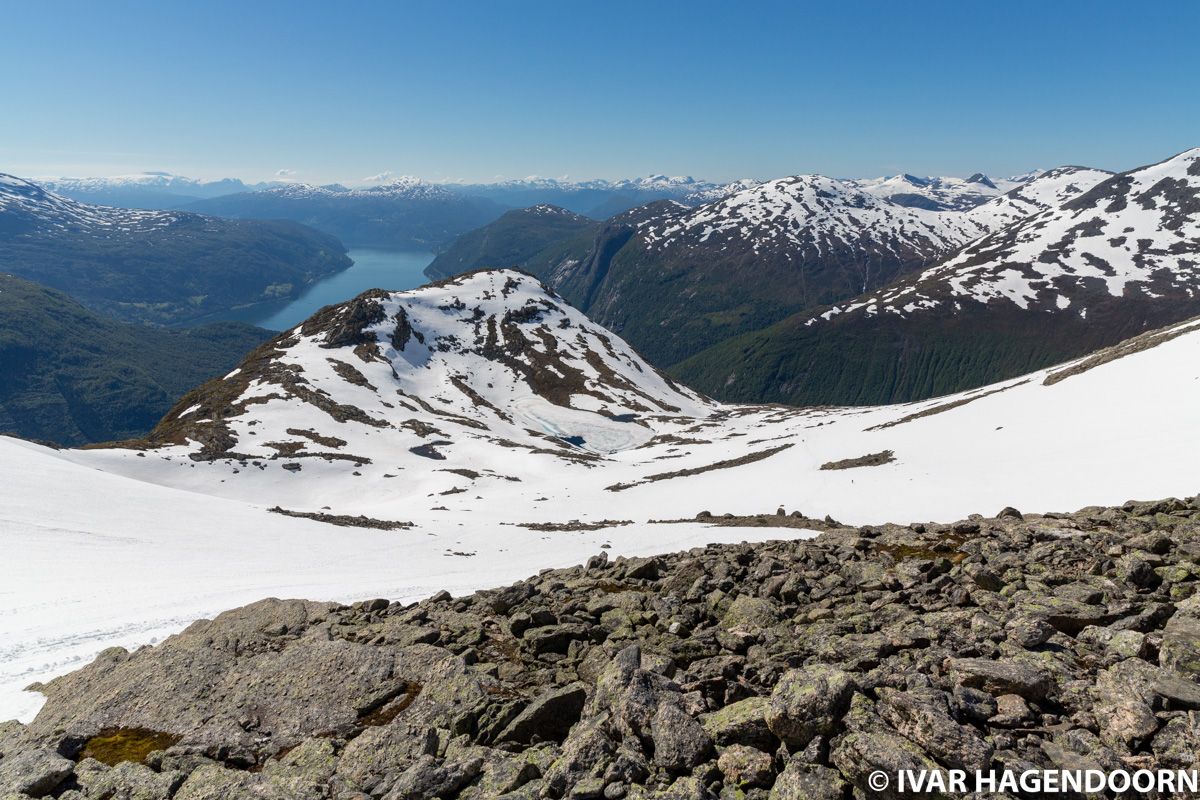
(1123, 704)
(548, 717)
(807, 702)
(36, 773)
(924, 718)
(1008, 676)
(804, 781)
(680, 741)
(743, 722)
(1180, 649)
(428, 779)
(859, 753)
(746, 766)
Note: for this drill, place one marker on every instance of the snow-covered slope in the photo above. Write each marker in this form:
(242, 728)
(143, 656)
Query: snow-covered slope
(446, 371)
(27, 206)
(817, 213)
(476, 408)
(1046, 190)
(1131, 235)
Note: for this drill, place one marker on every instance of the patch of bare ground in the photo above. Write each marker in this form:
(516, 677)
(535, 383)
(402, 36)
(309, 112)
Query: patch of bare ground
(1137, 344)
(929, 412)
(670, 438)
(869, 460)
(778, 519)
(357, 460)
(573, 525)
(466, 473)
(749, 458)
(325, 441)
(345, 520)
(350, 375)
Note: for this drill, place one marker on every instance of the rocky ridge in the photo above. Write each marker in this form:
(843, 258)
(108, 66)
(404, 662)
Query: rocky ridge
(786, 670)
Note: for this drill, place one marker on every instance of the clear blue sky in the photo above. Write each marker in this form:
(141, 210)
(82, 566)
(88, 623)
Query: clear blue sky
(475, 90)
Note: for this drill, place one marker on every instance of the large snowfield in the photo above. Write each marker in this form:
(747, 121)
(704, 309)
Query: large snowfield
(118, 547)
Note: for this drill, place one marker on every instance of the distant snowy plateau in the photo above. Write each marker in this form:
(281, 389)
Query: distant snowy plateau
(478, 407)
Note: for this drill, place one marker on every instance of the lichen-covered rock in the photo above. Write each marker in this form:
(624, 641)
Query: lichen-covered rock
(859, 753)
(127, 781)
(924, 717)
(1008, 676)
(742, 722)
(806, 702)
(680, 741)
(801, 780)
(1180, 649)
(1124, 700)
(746, 766)
(548, 718)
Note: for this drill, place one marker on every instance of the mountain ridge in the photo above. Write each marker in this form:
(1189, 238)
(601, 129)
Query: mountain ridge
(1110, 258)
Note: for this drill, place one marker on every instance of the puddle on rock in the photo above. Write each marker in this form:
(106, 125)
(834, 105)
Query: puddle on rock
(114, 746)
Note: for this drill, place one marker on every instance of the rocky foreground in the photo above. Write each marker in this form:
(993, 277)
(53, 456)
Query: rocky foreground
(789, 670)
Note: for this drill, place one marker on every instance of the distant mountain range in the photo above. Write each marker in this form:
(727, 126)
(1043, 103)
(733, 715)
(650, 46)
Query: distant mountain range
(408, 212)
(1105, 257)
(72, 376)
(940, 193)
(674, 278)
(156, 266)
(600, 199)
(405, 214)
(151, 190)
(812, 290)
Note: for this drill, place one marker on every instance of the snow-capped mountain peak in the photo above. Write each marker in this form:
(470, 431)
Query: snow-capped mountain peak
(936, 193)
(1068, 239)
(814, 211)
(489, 355)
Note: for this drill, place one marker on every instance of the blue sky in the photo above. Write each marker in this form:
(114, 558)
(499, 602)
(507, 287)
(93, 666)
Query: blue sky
(474, 90)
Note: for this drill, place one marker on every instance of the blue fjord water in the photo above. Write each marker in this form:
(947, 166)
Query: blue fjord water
(372, 269)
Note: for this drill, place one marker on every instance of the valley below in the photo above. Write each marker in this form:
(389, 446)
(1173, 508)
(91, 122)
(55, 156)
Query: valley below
(467, 434)
(370, 268)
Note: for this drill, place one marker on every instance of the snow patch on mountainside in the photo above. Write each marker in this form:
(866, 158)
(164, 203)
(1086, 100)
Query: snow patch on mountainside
(1047, 190)
(1068, 235)
(37, 207)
